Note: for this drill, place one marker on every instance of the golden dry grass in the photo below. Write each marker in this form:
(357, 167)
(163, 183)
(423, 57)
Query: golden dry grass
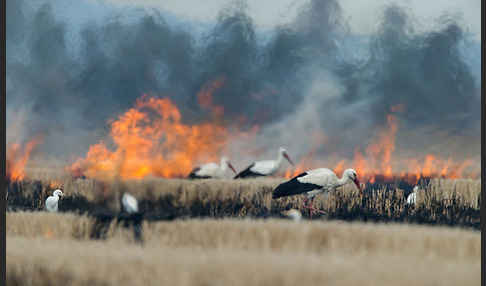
(49, 225)
(307, 237)
(467, 190)
(265, 235)
(261, 234)
(241, 252)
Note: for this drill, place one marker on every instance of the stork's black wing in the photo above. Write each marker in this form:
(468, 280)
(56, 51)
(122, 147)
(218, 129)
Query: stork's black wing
(293, 187)
(193, 175)
(247, 173)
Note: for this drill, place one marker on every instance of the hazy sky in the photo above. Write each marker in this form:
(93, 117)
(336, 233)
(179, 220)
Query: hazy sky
(362, 15)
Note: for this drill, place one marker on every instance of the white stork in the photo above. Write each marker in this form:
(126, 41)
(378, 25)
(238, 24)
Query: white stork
(314, 182)
(212, 170)
(129, 203)
(265, 168)
(412, 197)
(52, 201)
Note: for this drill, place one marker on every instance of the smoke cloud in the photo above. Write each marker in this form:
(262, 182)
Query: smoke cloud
(302, 83)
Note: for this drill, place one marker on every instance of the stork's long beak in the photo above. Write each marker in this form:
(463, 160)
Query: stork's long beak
(288, 158)
(231, 167)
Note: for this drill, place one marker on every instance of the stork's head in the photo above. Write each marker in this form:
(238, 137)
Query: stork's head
(353, 176)
(225, 161)
(58, 193)
(284, 153)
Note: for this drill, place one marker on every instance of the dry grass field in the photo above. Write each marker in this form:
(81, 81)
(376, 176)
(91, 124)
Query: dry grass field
(229, 232)
(445, 202)
(54, 249)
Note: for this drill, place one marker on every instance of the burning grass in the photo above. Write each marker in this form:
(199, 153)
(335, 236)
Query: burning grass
(17, 158)
(244, 252)
(153, 139)
(150, 139)
(378, 160)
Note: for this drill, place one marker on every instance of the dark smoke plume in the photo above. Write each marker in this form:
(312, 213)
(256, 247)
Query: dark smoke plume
(295, 83)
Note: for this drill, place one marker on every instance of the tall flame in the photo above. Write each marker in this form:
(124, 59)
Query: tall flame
(378, 158)
(18, 158)
(150, 139)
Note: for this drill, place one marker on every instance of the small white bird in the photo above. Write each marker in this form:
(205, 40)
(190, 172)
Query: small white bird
(52, 201)
(293, 214)
(314, 182)
(265, 168)
(412, 197)
(129, 203)
(212, 170)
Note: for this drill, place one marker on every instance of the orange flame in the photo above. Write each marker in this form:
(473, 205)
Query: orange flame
(18, 158)
(299, 169)
(339, 167)
(384, 147)
(150, 139)
(378, 157)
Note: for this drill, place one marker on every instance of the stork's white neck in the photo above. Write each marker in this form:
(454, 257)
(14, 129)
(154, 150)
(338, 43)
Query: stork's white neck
(343, 181)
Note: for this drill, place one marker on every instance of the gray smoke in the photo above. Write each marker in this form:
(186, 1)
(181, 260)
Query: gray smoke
(298, 83)
(421, 71)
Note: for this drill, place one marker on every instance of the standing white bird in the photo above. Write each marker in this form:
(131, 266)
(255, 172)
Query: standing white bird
(412, 197)
(314, 182)
(265, 168)
(212, 170)
(129, 203)
(51, 204)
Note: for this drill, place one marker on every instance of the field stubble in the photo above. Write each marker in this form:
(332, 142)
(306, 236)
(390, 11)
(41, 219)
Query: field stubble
(445, 202)
(228, 243)
(54, 249)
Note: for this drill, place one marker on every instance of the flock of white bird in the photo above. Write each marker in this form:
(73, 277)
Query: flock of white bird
(310, 183)
(255, 169)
